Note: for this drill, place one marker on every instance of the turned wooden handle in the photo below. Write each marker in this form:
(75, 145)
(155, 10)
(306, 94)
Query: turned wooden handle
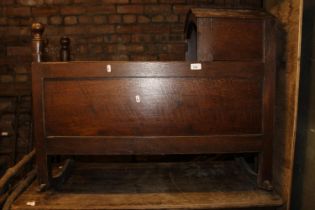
(37, 42)
(65, 49)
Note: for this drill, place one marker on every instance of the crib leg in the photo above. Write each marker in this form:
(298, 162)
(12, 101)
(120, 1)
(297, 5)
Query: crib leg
(43, 172)
(265, 171)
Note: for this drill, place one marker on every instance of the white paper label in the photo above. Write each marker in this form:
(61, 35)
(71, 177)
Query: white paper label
(109, 68)
(195, 66)
(138, 99)
(4, 133)
(30, 203)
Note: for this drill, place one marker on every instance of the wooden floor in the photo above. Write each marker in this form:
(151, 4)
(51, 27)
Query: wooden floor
(186, 185)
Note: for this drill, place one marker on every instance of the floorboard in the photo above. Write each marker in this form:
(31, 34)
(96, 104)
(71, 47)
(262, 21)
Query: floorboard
(184, 185)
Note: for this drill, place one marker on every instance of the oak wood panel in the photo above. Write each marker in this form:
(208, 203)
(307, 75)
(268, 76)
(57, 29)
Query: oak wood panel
(226, 35)
(86, 109)
(244, 37)
(165, 107)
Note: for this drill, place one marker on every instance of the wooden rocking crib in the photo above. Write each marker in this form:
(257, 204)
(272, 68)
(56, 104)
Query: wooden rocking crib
(221, 101)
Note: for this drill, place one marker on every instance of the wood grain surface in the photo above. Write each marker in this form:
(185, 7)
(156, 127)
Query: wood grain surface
(116, 108)
(186, 185)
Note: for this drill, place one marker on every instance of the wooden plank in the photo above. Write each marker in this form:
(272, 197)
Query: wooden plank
(66, 70)
(181, 185)
(242, 46)
(289, 15)
(154, 145)
(165, 107)
(227, 13)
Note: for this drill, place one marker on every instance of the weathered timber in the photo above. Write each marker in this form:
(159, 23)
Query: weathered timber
(169, 185)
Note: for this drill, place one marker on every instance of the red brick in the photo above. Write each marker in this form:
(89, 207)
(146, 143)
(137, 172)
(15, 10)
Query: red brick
(173, 1)
(17, 11)
(144, 1)
(63, 2)
(41, 19)
(21, 69)
(122, 48)
(54, 30)
(45, 11)
(173, 48)
(115, 1)
(135, 48)
(55, 20)
(89, 2)
(220, 2)
(156, 48)
(141, 38)
(21, 78)
(178, 28)
(7, 2)
(81, 40)
(26, 21)
(121, 38)
(160, 38)
(129, 19)
(12, 51)
(172, 18)
(156, 28)
(129, 29)
(114, 19)
(130, 9)
(16, 31)
(119, 57)
(13, 21)
(6, 78)
(158, 18)
(107, 9)
(85, 19)
(100, 19)
(82, 49)
(182, 18)
(106, 29)
(71, 10)
(70, 20)
(143, 19)
(178, 37)
(114, 48)
(134, 57)
(3, 21)
(157, 9)
(30, 2)
(172, 57)
(95, 48)
(75, 30)
(181, 9)
(95, 39)
(229, 3)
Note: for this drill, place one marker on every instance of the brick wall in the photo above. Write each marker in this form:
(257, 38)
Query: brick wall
(99, 30)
